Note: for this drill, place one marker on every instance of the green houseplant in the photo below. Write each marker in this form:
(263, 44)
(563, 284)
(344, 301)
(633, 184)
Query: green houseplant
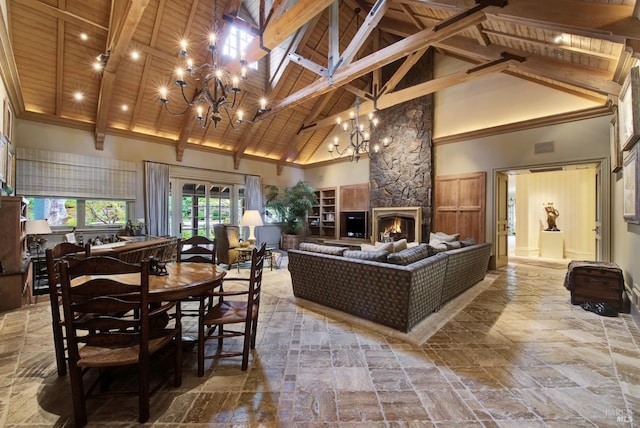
(293, 204)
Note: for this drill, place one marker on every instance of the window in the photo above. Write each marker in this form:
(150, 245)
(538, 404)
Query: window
(81, 213)
(237, 43)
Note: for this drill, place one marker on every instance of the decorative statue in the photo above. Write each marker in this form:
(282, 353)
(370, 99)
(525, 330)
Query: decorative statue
(552, 215)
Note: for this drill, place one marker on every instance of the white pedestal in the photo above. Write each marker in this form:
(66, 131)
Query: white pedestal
(552, 245)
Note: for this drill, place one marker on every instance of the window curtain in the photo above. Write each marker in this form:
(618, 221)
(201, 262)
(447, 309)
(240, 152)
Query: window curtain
(253, 193)
(56, 174)
(156, 198)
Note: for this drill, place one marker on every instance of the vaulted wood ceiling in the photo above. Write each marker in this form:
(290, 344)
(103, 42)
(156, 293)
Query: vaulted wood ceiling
(309, 71)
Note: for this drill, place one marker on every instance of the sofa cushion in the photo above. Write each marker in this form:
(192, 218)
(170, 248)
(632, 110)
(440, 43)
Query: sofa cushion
(408, 256)
(441, 236)
(233, 235)
(399, 245)
(453, 245)
(468, 242)
(379, 246)
(376, 256)
(436, 248)
(324, 249)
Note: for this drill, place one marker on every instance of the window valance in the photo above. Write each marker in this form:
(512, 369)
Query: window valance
(47, 173)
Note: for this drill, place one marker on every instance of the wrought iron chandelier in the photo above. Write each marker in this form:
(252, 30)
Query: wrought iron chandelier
(216, 95)
(359, 136)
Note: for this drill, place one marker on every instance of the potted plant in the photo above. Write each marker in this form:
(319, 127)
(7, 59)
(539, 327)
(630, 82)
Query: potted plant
(293, 204)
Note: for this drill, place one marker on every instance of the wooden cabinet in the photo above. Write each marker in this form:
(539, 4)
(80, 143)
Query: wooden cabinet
(322, 220)
(13, 220)
(15, 279)
(354, 197)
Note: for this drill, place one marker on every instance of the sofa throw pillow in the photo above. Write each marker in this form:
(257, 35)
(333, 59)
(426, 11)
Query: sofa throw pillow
(467, 242)
(453, 245)
(376, 256)
(408, 256)
(447, 238)
(436, 248)
(367, 247)
(324, 249)
(384, 246)
(412, 244)
(399, 245)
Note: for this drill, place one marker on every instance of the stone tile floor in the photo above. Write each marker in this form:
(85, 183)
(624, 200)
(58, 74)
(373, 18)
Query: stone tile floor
(519, 355)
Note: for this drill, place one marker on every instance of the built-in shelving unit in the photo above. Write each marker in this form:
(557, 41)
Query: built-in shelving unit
(322, 220)
(15, 278)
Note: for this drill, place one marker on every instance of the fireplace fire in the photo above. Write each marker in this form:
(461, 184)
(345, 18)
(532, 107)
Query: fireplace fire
(395, 223)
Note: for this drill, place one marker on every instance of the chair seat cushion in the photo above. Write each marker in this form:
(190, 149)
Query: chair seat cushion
(97, 356)
(228, 312)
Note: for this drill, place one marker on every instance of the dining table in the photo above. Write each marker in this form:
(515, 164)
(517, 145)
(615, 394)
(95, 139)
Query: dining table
(181, 281)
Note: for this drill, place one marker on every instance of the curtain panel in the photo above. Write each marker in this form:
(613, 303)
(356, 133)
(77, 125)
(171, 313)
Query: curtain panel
(253, 193)
(46, 173)
(156, 198)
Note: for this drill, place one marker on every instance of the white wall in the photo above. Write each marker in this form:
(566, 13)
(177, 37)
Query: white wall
(493, 100)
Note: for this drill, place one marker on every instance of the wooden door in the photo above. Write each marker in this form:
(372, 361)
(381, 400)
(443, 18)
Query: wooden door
(459, 205)
(501, 239)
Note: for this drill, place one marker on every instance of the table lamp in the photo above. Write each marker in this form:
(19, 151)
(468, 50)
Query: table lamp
(251, 218)
(35, 228)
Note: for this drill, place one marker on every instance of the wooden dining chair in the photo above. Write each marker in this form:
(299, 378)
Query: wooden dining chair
(239, 309)
(67, 251)
(197, 249)
(111, 323)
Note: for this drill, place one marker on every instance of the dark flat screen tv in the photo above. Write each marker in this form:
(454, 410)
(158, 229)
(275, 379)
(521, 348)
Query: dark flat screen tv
(356, 226)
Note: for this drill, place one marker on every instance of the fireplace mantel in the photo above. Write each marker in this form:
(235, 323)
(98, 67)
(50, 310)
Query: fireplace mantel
(406, 212)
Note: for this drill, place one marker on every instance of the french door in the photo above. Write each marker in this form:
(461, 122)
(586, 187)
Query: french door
(196, 207)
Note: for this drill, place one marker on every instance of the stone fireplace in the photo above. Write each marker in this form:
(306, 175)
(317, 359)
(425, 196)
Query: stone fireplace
(401, 176)
(395, 223)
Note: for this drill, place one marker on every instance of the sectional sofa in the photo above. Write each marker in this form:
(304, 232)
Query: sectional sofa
(398, 289)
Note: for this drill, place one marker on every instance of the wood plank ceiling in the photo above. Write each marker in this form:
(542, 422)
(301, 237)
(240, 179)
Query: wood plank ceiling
(581, 47)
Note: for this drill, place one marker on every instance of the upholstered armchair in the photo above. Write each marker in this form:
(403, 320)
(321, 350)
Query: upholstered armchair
(227, 243)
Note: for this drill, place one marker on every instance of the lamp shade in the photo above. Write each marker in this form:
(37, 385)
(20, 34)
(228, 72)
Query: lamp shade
(251, 218)
(37, 227)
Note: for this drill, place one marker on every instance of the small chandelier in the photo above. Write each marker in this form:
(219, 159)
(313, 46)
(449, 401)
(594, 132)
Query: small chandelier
(216, 97)
(359, 136)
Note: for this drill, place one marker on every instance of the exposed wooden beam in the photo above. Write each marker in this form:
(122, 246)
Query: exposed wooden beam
(373, 17)
(188, 122)
(60, 67)
(117, 51)
(60, 14)
(446, 5)
(598, 81)
(317, 108)
(594, 20)
(416, 91)
(375, 60)
(333, 57)
(280, 28)
(398, 28)
(550, 46)
(402, 71)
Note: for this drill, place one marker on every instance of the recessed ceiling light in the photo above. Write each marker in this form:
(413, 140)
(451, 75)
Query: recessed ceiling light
(125, 107)
(83, 36)
(135, 55)
(78, 96)
(558, 39)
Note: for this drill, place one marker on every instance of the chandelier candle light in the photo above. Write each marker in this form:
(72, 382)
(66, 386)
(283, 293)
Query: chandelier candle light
(217, 85)
(359, 136)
